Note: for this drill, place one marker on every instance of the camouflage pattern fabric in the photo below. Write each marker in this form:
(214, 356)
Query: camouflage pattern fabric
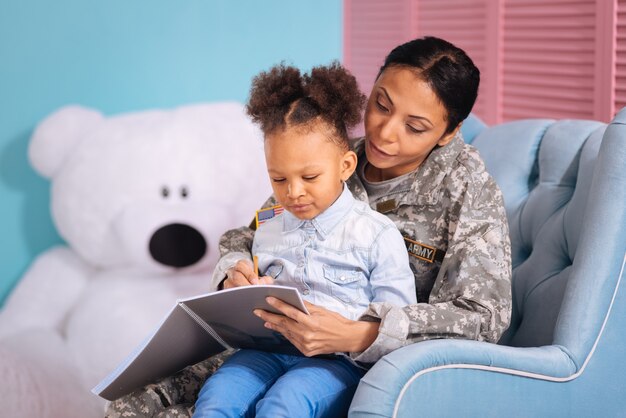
(452, 207)
(171, 397)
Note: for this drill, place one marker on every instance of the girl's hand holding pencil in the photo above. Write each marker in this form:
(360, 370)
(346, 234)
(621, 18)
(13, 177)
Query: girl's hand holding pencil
(245, 273)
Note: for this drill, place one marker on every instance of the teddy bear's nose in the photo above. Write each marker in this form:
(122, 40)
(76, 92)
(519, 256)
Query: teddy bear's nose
(177, 245)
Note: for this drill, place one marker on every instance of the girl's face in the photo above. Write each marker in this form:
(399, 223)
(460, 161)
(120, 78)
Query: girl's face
(306, 170)
(404, 121)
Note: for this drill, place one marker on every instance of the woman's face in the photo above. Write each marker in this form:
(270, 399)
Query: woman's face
(404, 121)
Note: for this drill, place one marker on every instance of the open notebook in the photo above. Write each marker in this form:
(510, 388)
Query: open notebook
(197, 328)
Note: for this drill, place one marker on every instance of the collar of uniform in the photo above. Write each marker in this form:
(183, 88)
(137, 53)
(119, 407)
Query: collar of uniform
(430, 174)
(434, 169)
(326, 221)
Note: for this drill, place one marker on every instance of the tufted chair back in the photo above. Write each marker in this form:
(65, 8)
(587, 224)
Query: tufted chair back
(561, 225)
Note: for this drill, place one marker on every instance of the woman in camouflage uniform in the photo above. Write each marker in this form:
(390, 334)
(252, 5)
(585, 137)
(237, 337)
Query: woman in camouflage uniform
(415, 168)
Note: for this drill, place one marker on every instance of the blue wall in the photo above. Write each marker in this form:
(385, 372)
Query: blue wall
(120, 55)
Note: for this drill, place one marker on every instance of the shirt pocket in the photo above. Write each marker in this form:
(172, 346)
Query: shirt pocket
(344, 284)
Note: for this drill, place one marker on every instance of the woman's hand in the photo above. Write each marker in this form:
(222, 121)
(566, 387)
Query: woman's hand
(320, 332)
(242, 274)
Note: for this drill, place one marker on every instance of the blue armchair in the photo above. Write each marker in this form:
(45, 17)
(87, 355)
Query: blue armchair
(564, 355)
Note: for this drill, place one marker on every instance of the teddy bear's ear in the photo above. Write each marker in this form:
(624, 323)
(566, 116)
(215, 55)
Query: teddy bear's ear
(57, 135)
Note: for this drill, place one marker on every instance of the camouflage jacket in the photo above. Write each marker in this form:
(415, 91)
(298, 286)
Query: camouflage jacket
(454, 223)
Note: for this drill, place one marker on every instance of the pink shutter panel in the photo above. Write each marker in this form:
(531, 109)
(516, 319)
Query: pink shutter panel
(371, 29)
(549, 51)
(474, 26)
(620, 70)
(604, 71)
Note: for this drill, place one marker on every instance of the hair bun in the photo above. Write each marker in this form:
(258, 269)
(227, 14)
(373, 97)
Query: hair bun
(329, 92)
(273, 92)
(337, 94)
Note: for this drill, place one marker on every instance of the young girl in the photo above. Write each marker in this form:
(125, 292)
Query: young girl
(335, 250)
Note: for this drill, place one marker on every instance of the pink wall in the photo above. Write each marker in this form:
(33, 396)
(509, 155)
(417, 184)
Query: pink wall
(538, 58)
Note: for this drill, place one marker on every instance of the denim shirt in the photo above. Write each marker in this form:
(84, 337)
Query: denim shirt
(343, 259)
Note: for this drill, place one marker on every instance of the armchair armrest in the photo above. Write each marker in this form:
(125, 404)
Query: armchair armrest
(382, 389)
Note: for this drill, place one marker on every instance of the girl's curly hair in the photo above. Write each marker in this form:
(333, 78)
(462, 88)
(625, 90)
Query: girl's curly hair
(283, 97)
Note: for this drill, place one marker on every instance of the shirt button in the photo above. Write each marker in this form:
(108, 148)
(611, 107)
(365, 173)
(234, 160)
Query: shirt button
(342, 278)
(305, 292)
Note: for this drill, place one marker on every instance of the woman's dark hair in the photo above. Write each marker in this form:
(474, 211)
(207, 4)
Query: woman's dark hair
(283, 97)
(447, 69)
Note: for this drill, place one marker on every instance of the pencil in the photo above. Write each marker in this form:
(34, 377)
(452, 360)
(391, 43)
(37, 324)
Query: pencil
(256, 265)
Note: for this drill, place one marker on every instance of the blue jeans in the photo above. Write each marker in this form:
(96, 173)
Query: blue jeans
(262, 384)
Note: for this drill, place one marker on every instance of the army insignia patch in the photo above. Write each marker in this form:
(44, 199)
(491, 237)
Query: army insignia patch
(423, 251)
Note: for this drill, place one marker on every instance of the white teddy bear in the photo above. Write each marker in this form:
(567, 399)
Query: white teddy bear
(141, 200)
